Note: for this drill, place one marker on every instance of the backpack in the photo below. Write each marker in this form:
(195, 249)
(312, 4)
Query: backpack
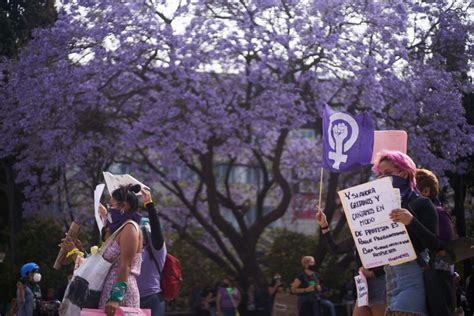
(171, 278)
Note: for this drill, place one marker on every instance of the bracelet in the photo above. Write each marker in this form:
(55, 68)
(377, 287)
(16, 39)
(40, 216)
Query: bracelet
(325, 227)
(147, 203)
(72, 252)
(117, 293)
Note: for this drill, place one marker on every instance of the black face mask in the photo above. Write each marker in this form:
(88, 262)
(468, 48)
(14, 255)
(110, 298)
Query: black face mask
(400, 183)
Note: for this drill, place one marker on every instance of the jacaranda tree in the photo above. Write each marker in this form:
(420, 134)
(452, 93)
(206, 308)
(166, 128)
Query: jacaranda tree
(190, 93)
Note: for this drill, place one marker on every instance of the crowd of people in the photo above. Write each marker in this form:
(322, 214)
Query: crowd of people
(402, 289)
(137, 251)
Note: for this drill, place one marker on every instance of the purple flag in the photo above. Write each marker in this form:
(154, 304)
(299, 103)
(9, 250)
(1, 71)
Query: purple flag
(347, 140)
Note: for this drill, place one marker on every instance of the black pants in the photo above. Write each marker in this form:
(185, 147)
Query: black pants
(309, 307)
(440, 292)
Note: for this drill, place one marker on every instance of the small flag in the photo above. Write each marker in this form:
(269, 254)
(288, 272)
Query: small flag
(347, 140)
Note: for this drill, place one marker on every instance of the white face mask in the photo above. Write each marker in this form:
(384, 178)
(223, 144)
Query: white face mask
(37, 277)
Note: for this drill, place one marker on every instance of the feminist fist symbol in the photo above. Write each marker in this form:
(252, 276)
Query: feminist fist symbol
(340, 138)
(339, 132)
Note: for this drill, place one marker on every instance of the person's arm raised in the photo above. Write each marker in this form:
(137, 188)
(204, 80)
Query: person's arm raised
(322, 220)
(157, 239)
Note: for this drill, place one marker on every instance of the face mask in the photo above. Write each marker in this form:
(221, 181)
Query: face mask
(36, 277)
(114, 215)
(116, 218)
(399, 182)
(404, 186)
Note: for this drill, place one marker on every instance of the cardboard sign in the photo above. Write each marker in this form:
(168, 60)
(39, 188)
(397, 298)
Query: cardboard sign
(389, 140)
(285, 305)
(362, 290)
(61, 259)
(378, 239)
(99, 189)
(114, 181)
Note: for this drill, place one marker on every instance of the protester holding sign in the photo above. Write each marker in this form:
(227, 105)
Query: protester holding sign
(375, 277)
(307, 287)
(404, 282)
(120, 288)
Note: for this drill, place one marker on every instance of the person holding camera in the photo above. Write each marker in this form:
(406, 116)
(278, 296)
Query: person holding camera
(28, 292)
(275, 287)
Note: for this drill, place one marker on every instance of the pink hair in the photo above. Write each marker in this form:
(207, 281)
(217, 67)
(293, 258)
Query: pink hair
(400, 160)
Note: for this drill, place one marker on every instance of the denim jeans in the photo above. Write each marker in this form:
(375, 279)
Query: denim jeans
(155, 302)
(329, 306)
(405, 288)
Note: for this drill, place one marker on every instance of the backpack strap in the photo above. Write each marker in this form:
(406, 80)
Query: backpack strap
(111, 238)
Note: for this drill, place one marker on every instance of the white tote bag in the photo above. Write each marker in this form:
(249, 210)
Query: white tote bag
(87, 282)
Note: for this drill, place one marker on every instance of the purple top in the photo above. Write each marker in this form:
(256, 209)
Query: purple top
(446, 230)
(226, 301)
(149, 278)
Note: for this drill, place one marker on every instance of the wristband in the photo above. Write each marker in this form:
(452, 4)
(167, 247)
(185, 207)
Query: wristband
(147, 203)
(117, 293)
(325, 227)
(72, 252)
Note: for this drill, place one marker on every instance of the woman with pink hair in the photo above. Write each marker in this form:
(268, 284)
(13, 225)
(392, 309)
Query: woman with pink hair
(404, 282)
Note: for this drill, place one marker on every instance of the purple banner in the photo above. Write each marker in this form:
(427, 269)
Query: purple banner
(347, 140)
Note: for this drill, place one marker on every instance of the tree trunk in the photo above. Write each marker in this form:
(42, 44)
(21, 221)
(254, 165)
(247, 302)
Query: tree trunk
(252, 274)
(14, 197)
(458, 183)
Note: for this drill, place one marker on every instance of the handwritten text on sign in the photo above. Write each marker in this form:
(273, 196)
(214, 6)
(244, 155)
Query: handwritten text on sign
(362, 290)
(379, 241)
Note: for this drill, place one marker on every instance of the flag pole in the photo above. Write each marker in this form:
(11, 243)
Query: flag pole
(320, 188)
